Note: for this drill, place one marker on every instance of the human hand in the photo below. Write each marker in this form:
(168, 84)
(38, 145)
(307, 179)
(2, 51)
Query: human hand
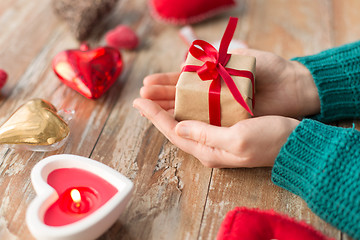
(283, 87)
(249, 143)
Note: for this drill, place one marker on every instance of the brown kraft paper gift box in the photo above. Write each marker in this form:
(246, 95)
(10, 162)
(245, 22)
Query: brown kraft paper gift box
(192, 94)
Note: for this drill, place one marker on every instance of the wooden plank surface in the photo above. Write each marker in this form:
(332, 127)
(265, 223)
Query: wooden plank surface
(175, 196)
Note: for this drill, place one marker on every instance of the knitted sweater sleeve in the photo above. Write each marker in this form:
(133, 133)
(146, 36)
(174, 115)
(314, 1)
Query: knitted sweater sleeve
(336, 73)
(321, 164)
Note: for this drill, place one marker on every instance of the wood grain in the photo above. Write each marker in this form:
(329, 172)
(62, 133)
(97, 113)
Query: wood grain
(175, 196)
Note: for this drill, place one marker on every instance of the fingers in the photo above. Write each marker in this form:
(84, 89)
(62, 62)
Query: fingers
(165, 123)
(163, 120)
(219, 158)
(205, 137)
(162, 79)
(248, 52)
(161, 89)
(166, 104)
(158, 92)
(205, 134)
(171, 111)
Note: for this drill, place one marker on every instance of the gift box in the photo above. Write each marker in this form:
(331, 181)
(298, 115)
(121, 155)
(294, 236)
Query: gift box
(231, 100)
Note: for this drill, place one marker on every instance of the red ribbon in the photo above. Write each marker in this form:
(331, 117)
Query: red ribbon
(214, 69)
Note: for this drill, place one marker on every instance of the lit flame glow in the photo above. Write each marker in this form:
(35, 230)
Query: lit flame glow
(75, 195)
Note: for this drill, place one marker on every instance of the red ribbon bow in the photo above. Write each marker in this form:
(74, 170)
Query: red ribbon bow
(214, 69)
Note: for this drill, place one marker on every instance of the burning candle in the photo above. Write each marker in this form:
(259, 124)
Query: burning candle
(78, 205)
(71, 201)
(80, 193)
(77, 198)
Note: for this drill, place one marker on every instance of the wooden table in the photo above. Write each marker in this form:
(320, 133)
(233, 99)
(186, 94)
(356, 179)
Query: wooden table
(175, 196)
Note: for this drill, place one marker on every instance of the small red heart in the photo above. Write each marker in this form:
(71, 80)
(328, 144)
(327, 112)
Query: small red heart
(187, 11)
(3, 78)
(90, 72)
(122, 37)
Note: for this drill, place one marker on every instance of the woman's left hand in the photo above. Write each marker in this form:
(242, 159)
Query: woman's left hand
(250, 143)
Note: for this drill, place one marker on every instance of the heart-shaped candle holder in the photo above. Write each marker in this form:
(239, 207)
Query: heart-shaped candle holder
(89, 72)
(77, 198)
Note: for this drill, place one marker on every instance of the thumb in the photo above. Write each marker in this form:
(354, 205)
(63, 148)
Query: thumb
(203, 133)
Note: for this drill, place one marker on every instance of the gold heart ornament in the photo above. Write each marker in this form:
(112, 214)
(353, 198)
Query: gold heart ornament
(34, 123)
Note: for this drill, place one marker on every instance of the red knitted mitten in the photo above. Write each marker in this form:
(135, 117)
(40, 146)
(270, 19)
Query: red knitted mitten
(254, 224)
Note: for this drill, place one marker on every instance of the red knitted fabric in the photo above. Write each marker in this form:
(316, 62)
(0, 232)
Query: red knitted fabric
(254, 224)
(187, 11)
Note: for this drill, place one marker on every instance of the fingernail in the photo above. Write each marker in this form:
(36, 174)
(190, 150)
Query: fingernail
(136, 107)
(183, 131)
(141, 113)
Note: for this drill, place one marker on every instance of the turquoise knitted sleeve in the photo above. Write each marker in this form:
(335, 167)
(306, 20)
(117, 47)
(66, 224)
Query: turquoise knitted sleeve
(336, 73)
(321, 164)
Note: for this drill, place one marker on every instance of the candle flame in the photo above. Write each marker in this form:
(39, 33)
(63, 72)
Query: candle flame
(75, 195)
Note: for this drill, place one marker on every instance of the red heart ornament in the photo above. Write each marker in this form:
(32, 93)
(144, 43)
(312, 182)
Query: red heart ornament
(3, 78)
(90, 72)
(254, 224)
(187, 11)
(122, 37)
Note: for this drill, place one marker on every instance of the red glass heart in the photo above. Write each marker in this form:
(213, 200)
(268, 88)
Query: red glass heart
(90, 72)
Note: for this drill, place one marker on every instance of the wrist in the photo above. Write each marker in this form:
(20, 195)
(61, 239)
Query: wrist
(281, 129)
(308, 96)
(288, 126)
